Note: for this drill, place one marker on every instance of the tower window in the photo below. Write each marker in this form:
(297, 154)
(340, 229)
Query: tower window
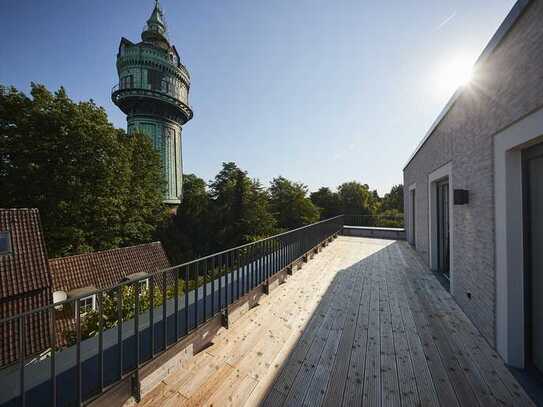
(155, 78)
(127, 81)
(165, 86)
(5, 243)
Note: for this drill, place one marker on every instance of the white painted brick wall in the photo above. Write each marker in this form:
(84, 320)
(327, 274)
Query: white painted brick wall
(507, 87)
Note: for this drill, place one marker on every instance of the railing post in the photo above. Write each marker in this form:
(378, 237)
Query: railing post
(187, 291)
(78, 352)
(176, 304)
(120, 329)
(224, 317)
(205, 289)
(22, 359)
(100, 297)
(196, 282)
(53, 361)
(135, 386)
(152, 313)
(135, 376)
(164, 310)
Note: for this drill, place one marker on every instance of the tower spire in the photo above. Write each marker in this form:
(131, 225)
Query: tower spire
(155, 23)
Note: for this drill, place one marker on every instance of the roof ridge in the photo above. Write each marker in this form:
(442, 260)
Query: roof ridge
(19, 209)
(104, 251)
(495, 40)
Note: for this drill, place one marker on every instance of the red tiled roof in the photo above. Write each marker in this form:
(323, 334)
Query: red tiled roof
(106, 268)
(103, 270)
(25, 283)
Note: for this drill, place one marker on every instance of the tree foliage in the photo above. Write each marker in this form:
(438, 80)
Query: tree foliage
(356, 198)
(394, 199)
(328, 202)
(290, 205)
(96, 188)
(240, 208)
(185, 235)
(231, 210)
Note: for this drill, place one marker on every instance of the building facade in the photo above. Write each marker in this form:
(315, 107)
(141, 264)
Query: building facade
(153, 92)
(473, 191)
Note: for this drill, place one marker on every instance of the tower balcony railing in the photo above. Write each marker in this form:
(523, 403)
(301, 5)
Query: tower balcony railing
(134, 323)
(120, 91)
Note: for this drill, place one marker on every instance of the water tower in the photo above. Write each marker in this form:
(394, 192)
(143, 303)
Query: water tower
(153, 92)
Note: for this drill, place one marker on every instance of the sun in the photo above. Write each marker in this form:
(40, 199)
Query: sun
(454, 72)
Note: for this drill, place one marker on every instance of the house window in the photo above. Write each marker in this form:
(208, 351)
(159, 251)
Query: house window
(5, 243)
(144, 285)
(87, 304)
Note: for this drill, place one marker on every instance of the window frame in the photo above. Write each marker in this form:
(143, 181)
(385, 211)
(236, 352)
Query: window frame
(143, 282)
(93, 305)
(165, 85)
(9, 250)
(127, 81)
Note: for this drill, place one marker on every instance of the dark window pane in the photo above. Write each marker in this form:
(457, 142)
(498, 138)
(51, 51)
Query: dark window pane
(5, 243)
(155, 79)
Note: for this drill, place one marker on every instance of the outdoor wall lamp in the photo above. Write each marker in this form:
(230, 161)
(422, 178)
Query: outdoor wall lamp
(461, 196)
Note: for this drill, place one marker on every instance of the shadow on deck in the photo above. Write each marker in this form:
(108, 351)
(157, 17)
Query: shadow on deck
(364, 323)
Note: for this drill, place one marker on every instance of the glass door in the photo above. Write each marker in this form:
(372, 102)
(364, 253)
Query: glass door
(533, 182)
(443, 227)
(413, 218)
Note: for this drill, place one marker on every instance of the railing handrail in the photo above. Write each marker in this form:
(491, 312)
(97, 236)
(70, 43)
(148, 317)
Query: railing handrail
(159, 272)
(373, 216)
(250, 244)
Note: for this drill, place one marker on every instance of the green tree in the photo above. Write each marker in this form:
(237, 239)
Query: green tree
(290, 205)
(327, 201)
(391, 218)
(96, 188)
(357, 199)
(186, 235)
(393, 199)
(239, 208)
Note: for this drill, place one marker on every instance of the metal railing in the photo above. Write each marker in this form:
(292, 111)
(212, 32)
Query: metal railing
(379, 221)
(132, 325)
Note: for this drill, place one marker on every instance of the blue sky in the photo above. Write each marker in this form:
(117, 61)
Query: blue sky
(318, 91)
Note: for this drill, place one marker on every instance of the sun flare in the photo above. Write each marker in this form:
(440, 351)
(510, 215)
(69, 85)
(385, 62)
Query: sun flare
(454, 73)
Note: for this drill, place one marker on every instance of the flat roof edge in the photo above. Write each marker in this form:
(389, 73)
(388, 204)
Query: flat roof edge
(504, 28)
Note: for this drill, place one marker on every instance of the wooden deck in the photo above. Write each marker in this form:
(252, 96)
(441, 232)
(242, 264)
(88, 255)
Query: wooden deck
(363, 323)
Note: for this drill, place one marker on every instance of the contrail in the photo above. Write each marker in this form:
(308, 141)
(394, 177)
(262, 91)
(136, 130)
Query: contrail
(446, 21)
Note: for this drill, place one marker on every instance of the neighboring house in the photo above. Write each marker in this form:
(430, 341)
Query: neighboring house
(25, 282)
(85, 273)
(473, 191)
(29, 281)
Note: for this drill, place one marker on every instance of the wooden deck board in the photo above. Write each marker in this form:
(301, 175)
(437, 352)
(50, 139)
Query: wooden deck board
(335, 390)
(353, 392)
(364, 322)
(390, 391)
(372, 371)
